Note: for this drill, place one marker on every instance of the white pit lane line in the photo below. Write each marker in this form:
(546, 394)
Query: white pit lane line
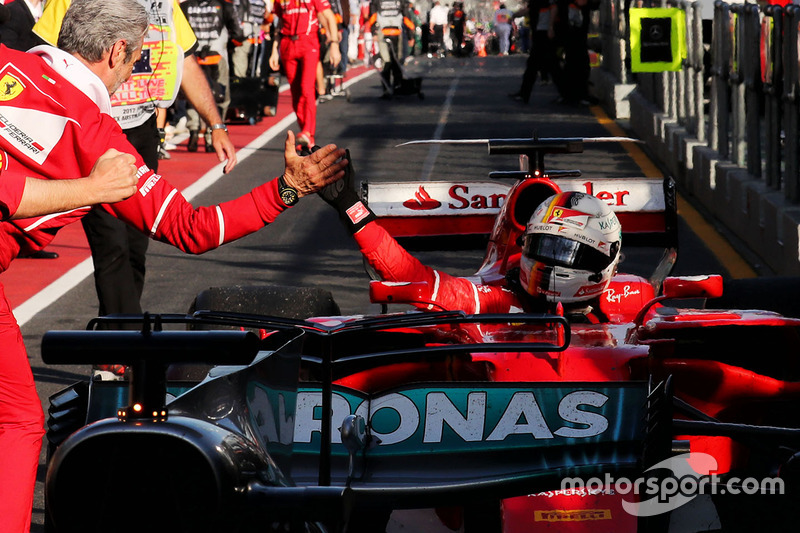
(433, 153)
(39, 301)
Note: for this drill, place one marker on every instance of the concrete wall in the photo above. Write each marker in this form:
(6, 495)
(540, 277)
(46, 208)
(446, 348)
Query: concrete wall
(759, 216)
(613, 96)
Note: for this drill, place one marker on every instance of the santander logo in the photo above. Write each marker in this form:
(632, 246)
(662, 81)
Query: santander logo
(422, 201)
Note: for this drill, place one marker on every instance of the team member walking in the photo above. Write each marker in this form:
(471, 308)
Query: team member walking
(542, 57)
(299, 22)
(388, 22)
(502, 28)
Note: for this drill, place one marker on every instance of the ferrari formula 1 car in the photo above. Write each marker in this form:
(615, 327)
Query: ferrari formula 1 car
(513, 422)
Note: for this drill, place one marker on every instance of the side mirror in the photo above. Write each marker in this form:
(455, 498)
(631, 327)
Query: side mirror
(693, 287)
(684, 287)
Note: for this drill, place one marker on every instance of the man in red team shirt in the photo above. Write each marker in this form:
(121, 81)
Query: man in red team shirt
(299, 22)
(56, 121)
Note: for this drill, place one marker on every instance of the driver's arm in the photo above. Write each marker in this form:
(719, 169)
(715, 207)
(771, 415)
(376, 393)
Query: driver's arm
(389, 259)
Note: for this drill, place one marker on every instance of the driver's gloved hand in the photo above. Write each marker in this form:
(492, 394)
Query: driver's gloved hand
(341, 194)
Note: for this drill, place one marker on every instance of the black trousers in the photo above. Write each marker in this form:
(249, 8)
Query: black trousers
(438, 37)
(541, 60)
(574, 82)
(391, 73)
(118, 250)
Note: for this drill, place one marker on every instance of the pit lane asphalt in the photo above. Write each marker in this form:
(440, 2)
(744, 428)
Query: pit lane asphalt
(306, 246)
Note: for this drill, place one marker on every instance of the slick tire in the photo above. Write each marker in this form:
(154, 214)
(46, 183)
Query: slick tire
(268, 300)
(271, 300)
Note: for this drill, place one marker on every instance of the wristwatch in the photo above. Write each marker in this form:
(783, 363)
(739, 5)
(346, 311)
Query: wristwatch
(219, 126)
(288, 194)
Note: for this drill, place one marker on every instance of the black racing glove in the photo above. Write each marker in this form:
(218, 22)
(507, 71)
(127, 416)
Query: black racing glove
(341, 194)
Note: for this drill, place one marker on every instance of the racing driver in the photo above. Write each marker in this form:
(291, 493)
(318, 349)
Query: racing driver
(55, 123)
(562, 261)
(570, 252)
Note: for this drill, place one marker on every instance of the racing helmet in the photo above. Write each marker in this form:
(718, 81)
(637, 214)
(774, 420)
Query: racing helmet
(570, 248)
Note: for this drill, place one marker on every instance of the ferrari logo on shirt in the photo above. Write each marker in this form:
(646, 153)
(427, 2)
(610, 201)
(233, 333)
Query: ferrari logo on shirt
(10, 88)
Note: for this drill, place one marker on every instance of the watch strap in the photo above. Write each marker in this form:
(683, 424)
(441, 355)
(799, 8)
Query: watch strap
(287, 193)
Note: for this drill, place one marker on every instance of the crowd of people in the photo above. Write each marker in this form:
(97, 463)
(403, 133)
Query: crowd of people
(239, 39)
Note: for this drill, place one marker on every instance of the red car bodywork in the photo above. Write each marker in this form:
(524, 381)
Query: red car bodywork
(644, 338)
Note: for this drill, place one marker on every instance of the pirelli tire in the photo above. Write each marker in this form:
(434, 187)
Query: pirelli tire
(268, 300)
(272, 300)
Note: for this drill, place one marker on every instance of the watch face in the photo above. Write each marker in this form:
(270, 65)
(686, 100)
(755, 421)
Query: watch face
(289, 196)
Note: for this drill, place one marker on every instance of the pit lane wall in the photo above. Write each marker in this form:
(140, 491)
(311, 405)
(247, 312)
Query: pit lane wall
(727, 125)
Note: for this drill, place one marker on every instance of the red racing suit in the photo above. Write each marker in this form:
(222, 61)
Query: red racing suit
(52, 127)
(299, 52)
(393, 263)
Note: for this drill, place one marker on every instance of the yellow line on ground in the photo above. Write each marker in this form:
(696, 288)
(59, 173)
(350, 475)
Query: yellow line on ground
(733, 262)
(649, 168)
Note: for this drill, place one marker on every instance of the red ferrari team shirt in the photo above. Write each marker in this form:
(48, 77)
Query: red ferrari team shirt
(299, 17)
(51, 129)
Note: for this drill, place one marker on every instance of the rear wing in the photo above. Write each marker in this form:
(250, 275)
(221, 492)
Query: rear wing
(436, 208)
(646, 207)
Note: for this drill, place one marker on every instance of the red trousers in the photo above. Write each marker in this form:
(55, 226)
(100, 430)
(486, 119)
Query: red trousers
(21, 426)
(300, 60)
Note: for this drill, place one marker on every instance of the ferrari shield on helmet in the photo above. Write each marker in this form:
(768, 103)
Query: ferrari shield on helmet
(570, 249)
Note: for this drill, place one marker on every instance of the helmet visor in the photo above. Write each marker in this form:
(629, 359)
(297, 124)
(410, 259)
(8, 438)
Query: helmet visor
(554, 250)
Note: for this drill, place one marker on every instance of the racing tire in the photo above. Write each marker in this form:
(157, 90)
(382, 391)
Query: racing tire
(271, 300)
(778, 294)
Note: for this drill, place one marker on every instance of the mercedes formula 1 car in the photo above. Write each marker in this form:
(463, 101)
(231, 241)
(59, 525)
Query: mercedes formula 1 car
(675, 408)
